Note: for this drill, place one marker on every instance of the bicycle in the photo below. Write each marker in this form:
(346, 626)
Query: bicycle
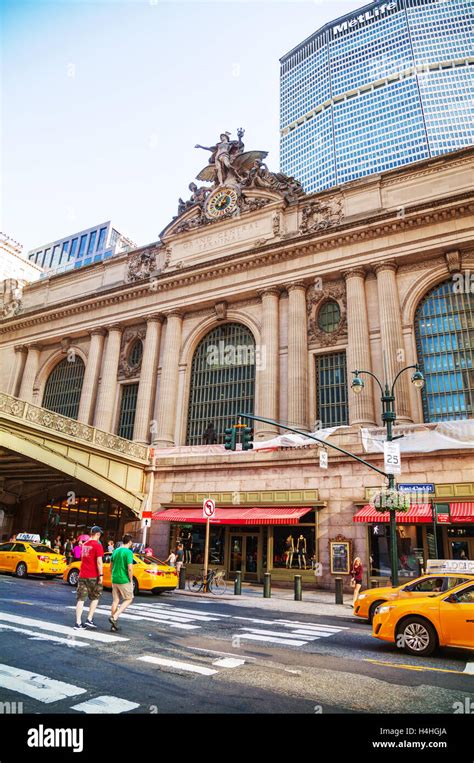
(216, 582)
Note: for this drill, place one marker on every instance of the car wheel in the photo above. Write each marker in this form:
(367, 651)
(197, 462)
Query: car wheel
(21, 570)
(135, 586)
(373, 608)
(417, 636)
(73, 577)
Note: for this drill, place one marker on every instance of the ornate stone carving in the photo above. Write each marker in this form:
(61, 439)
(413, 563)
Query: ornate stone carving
(220, 309)
(141, 265)
(12, 405)
(228, 161)
(259, 176)
(11, 298)
(453, 260)
(129, 336)
(119, 444)
(315, 299)
(319, 215)
(59, 423)
(276, 223)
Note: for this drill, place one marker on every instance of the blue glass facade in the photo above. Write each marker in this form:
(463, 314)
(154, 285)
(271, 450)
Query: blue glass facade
(384, 86)
(79, 249)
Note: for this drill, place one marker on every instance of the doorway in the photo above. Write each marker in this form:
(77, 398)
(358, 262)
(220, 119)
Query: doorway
(461, 548)
(243, 555)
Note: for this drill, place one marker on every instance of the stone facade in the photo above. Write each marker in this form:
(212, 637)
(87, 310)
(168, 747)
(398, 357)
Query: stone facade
(376, 246)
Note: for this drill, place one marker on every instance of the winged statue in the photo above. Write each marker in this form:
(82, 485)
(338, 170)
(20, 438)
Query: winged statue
(228, 161)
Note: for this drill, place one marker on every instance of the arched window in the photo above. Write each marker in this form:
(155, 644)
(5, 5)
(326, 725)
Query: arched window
(62, 392)
(135, 354)
(329, 316)
(443, 325)
(222, 380)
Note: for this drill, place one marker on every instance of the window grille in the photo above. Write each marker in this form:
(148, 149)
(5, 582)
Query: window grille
(331, 380)
(62, 392)
(222, 380)
(128, 406)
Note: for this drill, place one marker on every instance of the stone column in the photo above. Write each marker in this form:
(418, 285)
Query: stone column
(393, 346)
(147, 384)
(361, 406)
(297, 357)
(21, 352)
(91, 376)
(268, 364)
(29, 373)
(169, 381)
(108, 381)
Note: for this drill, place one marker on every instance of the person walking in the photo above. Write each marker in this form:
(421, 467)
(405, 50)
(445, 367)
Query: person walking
(91, 578)
(122, 580)
(68, 549)
(171, 559)
(179, 558)
(110, 547)
(356, 578)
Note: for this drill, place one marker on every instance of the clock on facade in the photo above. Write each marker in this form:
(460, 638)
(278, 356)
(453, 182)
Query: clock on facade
(220, 203)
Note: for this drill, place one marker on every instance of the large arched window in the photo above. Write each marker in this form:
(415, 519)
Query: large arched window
(62, 392)
(444, 329)
(222, 380)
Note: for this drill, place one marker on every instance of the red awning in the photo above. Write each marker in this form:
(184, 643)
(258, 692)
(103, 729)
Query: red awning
(261, 516)
(461, 512)
(418, 512)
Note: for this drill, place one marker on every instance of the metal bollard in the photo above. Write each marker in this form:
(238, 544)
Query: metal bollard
(339, 593)
(298, 588)
(238, 583)
(267, 585)
(182, 579)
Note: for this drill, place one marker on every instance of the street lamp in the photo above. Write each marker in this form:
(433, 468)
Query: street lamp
(389, 417)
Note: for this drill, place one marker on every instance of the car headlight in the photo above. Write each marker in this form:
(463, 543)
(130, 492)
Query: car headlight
(383, 610)
(362, 596)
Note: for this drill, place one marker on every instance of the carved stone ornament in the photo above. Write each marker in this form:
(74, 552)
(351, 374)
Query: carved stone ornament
(320, 215)
(129, 337)
(141, 265)
(220, 309)
(316, 296)
(11, 297)
(453, 261)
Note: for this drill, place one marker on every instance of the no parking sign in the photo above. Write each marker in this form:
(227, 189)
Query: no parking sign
(208, 508)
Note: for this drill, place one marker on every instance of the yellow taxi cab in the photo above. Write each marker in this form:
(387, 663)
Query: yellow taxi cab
(24, 558)
(421, 625)
(370, 599)
(149, 574)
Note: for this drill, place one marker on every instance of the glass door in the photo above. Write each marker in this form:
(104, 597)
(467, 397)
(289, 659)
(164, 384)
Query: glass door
(244, 555)
(236, 553)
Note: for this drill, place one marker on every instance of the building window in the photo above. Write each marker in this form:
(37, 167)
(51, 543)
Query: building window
(101, 243)
(128, 406)
(135, 354)
(331, 381)
(443, 322)
(62, 392)
(82, 246)
(73, 251)
(329, 316)
(90, 249)
(222, 380)
(64, 250)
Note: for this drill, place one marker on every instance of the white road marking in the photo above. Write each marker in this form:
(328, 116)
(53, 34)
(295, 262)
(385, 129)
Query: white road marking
(294, 624)
(43, 636)
(214, 651)
(172, 608)
(188, 666)
(273, 640)
(64, 629)
(105, 704)
(282, 636)
(315, 625)
(145, 618)
(172, 612)
(36, 686)
(469, 669)
(319, 634)
(228, 662)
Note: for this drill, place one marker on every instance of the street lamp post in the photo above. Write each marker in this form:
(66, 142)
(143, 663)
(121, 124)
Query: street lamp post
(389, 417)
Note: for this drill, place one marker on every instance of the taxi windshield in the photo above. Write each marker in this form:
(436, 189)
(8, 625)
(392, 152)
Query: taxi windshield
(42, 549)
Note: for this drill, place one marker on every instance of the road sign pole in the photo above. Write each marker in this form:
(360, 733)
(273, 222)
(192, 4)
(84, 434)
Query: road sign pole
(206, 554)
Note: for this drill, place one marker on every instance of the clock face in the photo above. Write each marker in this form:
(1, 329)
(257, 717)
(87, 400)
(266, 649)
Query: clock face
(220, 203)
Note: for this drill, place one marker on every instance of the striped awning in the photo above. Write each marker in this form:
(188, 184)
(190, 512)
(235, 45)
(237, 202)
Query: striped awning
(417, 513)
(461, 512)
(233, 516)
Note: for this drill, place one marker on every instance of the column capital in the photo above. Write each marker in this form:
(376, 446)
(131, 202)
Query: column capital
(34, 346)
(294, 285)
(359, 271)
(115, 327)
(379, 267)
(175, 312)
(272, 290)
(21, 348)
(100, 331)
(155, 318)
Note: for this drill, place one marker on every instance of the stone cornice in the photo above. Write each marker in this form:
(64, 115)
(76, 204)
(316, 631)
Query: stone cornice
(374, 227)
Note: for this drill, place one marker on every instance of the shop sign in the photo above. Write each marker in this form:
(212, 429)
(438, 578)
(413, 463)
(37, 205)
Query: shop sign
(442, 515)
(416, 487)
(391, 456)
(323, 459)
(30, 537)
(363, 18)
(450, 565)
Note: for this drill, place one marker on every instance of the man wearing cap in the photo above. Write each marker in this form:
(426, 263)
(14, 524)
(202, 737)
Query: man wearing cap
(91, 578)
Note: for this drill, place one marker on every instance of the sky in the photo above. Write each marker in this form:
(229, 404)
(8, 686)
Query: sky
(103, 102)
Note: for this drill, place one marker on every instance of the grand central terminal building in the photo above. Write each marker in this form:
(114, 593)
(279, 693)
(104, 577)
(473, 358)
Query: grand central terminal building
(118, 379)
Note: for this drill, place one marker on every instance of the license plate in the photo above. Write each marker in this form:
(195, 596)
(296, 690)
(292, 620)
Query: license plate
(55, 561)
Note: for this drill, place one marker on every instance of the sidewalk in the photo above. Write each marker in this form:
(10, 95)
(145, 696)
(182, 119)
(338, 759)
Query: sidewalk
(282, 600)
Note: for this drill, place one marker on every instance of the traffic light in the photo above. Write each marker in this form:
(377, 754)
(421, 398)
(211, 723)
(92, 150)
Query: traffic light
(230, 437)
(247, 437)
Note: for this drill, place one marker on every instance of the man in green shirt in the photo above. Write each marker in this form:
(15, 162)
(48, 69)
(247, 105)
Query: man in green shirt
(121, 564)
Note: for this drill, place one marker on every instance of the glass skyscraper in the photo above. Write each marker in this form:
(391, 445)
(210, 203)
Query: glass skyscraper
(386, 85)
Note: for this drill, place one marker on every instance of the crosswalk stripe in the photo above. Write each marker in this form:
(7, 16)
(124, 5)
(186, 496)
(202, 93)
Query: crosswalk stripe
(281, 635)
(469, 669)
(228, 662)
(195, 613)
(271, 639)
(43, 636)
(188, 666)
(318, 630)
(171, 613)
(158, 621)
(36, 686)
(319, 634)
(315, 625)
(105, 704)
(64, 629)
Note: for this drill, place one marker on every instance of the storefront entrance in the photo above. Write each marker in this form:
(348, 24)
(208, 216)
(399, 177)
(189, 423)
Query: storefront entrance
(243, 556)
(460, 543)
